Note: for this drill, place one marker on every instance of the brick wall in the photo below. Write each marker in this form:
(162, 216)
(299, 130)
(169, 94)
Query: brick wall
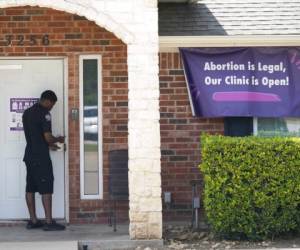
(180, 131)
(70, 36)
(136, 24)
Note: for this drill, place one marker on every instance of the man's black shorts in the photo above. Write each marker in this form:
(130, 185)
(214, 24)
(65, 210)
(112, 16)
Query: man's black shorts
(39, 177)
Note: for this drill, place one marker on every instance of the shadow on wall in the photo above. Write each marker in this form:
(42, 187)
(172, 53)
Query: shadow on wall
(189, 20)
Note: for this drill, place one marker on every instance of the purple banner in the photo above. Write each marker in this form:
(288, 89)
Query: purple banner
(259, 82)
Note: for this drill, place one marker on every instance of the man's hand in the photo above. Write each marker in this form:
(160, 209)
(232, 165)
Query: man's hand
(60, 139)
(50, 139)
(54, 147)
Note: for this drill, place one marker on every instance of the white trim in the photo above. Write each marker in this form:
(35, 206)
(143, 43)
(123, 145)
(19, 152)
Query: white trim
(172, 43)
(255, 126)
(66, 128)
(100, 151)
(10, 67)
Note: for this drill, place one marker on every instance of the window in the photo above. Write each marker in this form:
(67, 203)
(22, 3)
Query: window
(245, 126)
(91, 181)
(238, 126)
(276, 126)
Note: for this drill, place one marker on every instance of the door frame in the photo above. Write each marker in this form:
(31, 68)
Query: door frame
(65, 120)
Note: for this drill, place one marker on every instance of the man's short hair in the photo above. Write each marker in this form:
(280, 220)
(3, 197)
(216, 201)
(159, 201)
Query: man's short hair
(49, 95)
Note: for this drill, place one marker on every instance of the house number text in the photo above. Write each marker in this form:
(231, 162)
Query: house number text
(21, 40)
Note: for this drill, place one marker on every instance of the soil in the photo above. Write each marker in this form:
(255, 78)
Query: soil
(183, 237)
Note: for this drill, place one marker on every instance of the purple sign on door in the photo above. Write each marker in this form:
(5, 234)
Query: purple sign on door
(260, 82)
(17, 108)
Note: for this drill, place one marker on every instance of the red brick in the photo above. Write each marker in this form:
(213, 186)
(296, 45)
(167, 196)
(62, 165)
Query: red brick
(62, 17)
(14, 12)
(57, 24)
(41, 18)
(180, 139)
(20, 31)
(35, 11)
(5, 18)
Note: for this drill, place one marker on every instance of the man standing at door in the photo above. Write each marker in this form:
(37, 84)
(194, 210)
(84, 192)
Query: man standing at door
(39, 138)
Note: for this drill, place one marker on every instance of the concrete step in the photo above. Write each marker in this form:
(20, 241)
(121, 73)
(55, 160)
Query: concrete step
(57, 245)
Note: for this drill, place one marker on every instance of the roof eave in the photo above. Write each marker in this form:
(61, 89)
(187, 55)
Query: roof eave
(172, 43)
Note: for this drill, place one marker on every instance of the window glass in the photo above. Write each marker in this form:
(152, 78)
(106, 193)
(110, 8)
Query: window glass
(238, 126)
(277, 126)
(90, 126)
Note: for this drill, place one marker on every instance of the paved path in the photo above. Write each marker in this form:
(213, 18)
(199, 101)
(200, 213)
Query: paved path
(71, 245)
(94, 236)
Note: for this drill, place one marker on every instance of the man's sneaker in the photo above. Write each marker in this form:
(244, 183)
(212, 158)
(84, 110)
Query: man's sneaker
(53, 227)
(31, 225)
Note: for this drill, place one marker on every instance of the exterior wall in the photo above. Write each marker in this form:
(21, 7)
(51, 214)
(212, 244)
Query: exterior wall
(70, 36)
(180, 137)
(135, 22)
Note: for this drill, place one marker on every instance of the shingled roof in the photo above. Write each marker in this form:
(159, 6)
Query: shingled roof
(230, 17)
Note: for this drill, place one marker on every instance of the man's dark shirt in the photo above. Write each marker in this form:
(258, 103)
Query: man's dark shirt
(36, 121)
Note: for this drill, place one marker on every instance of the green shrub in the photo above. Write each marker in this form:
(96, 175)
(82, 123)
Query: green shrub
(252, 185)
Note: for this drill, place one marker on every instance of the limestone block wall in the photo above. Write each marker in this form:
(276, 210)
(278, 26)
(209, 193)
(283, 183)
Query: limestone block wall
(135, 22)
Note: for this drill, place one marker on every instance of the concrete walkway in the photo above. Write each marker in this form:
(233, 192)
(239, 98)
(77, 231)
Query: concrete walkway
(94, 236)
(73, 245)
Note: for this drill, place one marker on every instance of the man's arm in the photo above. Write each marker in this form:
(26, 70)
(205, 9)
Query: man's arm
(50, 139)
(47, 131)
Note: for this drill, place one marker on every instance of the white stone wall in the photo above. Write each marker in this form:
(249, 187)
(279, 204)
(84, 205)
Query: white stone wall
(136, 23)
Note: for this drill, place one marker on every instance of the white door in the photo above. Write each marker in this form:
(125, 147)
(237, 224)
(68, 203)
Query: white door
(22, 80)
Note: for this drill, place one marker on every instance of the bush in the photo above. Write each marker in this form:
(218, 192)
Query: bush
(252, 185)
